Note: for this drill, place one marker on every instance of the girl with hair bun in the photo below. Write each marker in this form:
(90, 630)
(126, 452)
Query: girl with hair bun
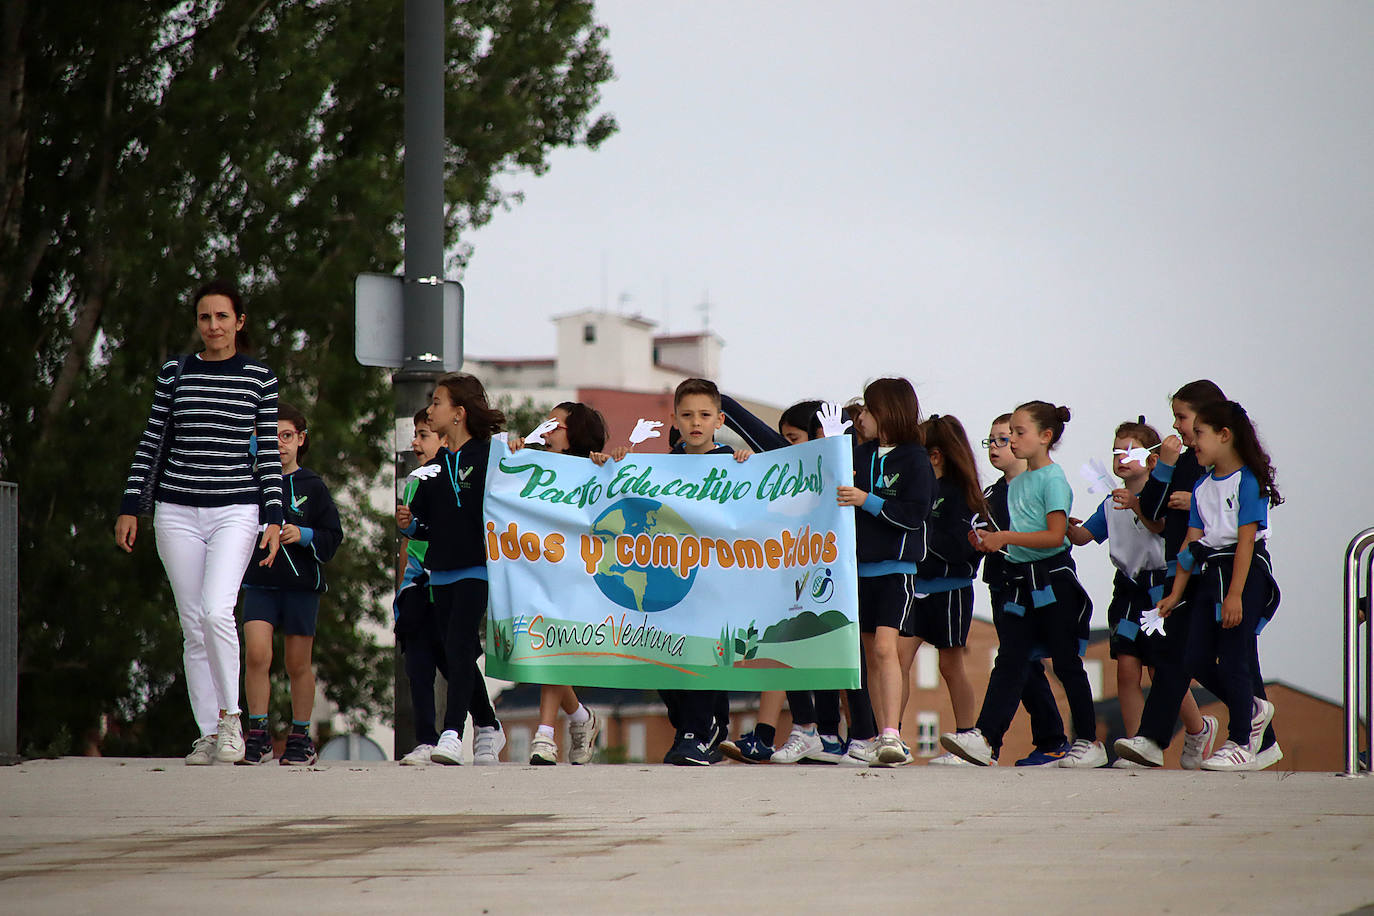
(1046, 605)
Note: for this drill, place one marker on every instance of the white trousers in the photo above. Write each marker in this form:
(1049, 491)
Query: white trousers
(206, 552)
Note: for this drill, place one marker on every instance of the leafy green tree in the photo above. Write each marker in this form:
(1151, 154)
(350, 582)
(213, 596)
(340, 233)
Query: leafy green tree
(147, 146)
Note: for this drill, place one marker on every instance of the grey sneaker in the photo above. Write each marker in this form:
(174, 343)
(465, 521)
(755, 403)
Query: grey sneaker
(202, 752)
(582, 739)
(486, 746)
(863, 752)
(229, 746)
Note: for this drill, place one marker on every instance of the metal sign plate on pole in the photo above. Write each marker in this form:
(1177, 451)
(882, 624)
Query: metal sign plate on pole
(380, 321)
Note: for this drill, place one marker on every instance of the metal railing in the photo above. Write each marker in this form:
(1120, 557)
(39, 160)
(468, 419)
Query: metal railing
(1359, 550)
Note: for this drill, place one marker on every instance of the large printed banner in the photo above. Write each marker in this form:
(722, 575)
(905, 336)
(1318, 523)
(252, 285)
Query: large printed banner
(691, 571)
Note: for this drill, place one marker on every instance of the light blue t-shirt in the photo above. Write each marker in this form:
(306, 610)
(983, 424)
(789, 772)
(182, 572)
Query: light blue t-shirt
(1031, 497)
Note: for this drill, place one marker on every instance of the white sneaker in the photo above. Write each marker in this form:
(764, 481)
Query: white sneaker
(202, 752)
(449, 750)
(1268, 757)
(862, 752)
(970, 745)
(1197, 748)
(486, 746)
(418, 757)
(229, 746)
(948, 759)
(1231, 758)
(799, 744)
(1263, 713)
(1085, 755)
(890, 751)
(582, 739)
(543, 751)
(1140, 750)
(1121, 763)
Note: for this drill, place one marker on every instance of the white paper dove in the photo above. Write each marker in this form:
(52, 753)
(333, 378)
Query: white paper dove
(424, 472)
(644, 431)
(537, 436)
(1139, 455)
(1095, 473)
(833, 422)
(1151, 623)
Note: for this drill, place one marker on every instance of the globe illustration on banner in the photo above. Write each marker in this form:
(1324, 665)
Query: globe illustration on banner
(636, 587)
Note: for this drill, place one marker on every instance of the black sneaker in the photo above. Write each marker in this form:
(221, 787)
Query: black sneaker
(257, 747)
(300, 752)
(689, 752)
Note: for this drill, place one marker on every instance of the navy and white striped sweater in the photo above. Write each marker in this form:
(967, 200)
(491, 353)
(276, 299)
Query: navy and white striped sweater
(217, 408)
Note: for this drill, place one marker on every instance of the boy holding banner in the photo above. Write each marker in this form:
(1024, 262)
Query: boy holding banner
(701, 718)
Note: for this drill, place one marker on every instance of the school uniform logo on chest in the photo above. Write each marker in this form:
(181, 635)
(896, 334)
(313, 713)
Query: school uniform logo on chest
(297, 502)
(889, 481)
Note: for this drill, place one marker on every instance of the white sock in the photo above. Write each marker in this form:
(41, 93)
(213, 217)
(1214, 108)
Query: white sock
(582, 715)
(805, 729)
(545, 731)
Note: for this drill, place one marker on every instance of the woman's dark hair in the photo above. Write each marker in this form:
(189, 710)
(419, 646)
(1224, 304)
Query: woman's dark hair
(1047, 416)
(1221, 415)
(1195, 394)
(893, 405)
(293, 416)
(586, 428)
(242, 342)
(802, 416)
(465, 391)
(947, 434)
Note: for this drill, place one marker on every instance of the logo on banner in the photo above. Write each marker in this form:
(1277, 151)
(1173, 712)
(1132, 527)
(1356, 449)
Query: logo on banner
(643, 585)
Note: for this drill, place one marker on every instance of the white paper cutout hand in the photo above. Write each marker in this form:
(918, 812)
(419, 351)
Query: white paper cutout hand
(976, 523)
(644, 431)
(1095, 473)
(537, 436)
(424, 472)
(833, 421)
(1151, 623)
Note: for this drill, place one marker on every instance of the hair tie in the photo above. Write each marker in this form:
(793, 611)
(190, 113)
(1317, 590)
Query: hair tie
(1140, 419)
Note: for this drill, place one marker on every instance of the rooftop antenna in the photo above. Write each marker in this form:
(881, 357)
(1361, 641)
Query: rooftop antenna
(705, 308)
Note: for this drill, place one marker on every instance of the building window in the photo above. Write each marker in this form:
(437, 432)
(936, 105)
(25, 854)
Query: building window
(927, 734)
(927, 667)
(1093, 668)
(634, 741)
(589, 333)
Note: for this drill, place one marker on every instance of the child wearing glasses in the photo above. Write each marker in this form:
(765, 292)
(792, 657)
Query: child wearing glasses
(286, 596)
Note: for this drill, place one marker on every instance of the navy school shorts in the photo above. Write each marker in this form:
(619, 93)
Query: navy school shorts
(942, 619)
(289, 611)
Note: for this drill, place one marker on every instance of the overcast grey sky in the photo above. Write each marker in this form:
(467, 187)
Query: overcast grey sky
(1089, 203)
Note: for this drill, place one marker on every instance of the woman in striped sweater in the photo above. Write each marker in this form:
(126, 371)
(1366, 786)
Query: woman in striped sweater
(197, 460)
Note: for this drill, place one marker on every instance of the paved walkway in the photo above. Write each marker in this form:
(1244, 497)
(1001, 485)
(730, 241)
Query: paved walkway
(113, 836)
